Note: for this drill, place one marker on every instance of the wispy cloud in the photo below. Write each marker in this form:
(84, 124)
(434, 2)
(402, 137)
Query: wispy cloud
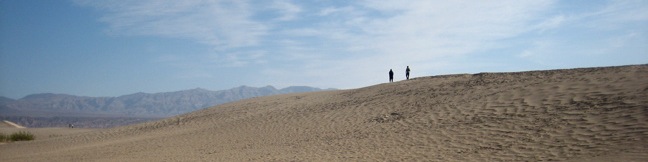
(238, 59)
(222, 24)
(551, 23)
(287, 9)
(597, 33)
(377, 35)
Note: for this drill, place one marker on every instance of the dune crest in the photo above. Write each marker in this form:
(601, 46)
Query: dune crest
(586, 114)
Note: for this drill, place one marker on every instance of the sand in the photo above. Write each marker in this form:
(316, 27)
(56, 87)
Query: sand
(9, 124)
(591, 114)
(8, 127)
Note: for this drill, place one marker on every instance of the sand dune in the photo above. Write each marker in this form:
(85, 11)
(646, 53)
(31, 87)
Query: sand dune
(9, 124)
(591, 114)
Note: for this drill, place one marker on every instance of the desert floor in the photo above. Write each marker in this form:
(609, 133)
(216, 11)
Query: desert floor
(589, 114)
(8, 127)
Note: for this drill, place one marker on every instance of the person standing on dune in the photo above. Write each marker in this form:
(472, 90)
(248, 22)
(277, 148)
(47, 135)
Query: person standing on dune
(407, 73)
(391, 75)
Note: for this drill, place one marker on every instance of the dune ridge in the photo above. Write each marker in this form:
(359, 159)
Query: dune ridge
(586, 114)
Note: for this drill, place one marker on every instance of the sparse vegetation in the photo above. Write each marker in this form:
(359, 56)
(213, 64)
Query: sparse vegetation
(21, 136)
(3, 137)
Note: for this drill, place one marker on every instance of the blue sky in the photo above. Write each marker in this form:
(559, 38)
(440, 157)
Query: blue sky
(117, 47)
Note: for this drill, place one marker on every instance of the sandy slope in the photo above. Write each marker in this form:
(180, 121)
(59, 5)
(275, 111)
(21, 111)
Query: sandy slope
(576, 115)
(9, 124)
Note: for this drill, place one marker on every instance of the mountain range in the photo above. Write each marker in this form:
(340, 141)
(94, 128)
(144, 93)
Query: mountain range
(138, 105)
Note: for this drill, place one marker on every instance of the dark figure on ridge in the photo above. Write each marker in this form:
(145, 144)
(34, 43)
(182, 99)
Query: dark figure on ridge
(391, 75)
(407, 73)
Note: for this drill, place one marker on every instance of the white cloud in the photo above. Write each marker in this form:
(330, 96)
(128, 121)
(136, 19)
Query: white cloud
(624, 11)
(238, 59)
(421, 31)
(327, 11)
(373, 36)
(336, 10)
(599, 32)
(551, 23)
(288, 10)
(220, 23)
(612, 15)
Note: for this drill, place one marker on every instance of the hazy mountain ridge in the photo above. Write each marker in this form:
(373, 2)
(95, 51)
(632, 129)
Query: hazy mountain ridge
(134, 105)
(5, 99)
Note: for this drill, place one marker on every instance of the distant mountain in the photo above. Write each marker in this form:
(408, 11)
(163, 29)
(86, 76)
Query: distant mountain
(5, 99)
(296, 89)
(134, 105)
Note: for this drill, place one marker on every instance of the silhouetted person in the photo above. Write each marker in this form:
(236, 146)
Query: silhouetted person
(391, 75)
(407, 73)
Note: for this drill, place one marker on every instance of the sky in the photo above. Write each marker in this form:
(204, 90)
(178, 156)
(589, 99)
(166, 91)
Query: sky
(117, 47)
